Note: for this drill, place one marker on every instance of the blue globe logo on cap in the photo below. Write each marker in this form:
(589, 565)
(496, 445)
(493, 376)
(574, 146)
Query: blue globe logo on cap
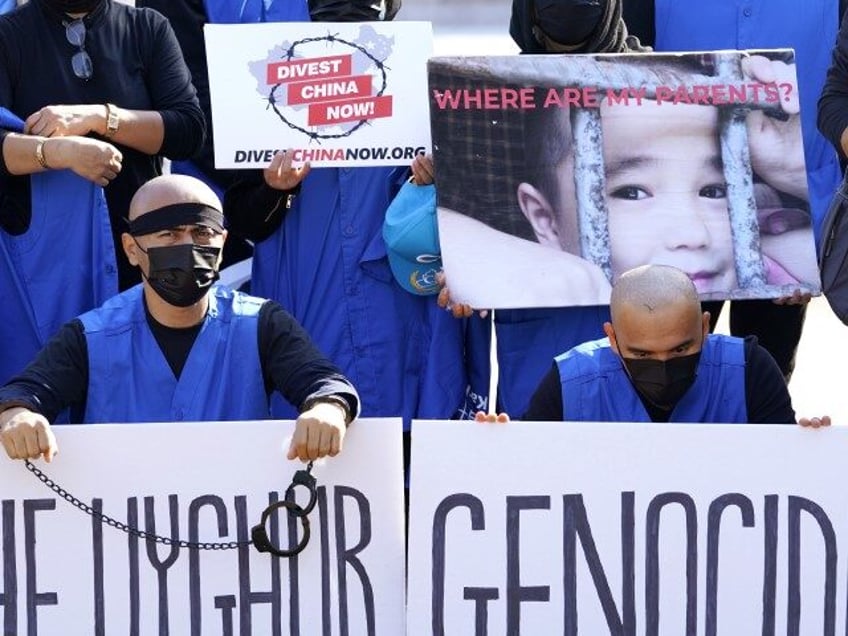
(411, 234)
(423, 281)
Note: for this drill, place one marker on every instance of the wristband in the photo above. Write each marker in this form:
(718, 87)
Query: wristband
(330, 399)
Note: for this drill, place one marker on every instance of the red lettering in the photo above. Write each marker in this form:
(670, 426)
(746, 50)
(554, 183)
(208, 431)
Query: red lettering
(491, 99)
(664, 94)
(701, 95)
(737, 94)
(323, 67)
(352, 110)
(344, 88)
(449, 99)
(719, 96)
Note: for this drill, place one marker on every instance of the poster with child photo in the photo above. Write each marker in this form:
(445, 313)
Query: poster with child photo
(557, 173)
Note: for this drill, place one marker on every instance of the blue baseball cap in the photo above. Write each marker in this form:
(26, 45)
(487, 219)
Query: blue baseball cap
(411, 233)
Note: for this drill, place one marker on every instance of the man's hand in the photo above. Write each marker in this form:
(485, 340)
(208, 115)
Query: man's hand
(815, 422)
(26, 435)
(318, 432)
(280, 175)
(491, 418)
(91, 159)
(444, 300)
(66, 121)
(797, 298)
(423, 172)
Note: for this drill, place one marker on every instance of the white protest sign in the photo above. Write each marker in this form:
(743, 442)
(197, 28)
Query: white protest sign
(338, 94)
(563, 528)
(65, 573)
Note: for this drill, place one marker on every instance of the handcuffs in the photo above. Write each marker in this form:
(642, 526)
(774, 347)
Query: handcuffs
(259, 534)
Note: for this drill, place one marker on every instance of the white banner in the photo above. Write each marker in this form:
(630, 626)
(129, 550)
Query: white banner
(338, 94)
(66, 573)
(563, 528)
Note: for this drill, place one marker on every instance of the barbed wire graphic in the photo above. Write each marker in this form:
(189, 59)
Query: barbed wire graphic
(330, 38)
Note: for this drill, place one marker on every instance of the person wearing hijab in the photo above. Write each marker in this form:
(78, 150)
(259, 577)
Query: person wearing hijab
(570, 26)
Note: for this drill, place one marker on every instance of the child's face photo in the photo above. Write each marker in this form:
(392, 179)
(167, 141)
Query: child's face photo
(665, 192)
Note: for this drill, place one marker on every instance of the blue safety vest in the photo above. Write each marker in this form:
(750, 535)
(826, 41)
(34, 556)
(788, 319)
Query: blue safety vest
(62, 266)
(129, 379)
(595, 387)
(683, 25)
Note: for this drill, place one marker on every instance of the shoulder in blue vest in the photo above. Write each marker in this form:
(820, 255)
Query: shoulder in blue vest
(595, 387)
(130, 379)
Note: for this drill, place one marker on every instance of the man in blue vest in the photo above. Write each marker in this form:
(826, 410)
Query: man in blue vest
(176, 347)
(659, 363)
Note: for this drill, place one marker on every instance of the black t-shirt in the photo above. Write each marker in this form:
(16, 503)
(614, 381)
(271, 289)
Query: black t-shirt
(766, 396)
(137, 65)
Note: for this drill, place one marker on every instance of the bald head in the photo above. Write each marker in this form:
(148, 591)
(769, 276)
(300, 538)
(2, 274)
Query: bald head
(171, 189)
(651, 288)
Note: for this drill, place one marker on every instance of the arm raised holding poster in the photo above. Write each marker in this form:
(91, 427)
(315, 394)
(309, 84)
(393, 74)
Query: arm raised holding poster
(178, 348)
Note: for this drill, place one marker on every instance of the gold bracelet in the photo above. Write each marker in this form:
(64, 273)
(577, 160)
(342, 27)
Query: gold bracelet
(39, 154)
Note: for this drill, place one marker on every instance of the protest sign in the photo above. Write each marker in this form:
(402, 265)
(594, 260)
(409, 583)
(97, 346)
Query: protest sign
(338, 94)
(566, 528)
(65, 572)
(572, 169)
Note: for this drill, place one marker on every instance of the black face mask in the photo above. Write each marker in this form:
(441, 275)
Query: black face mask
(73, 6)
(182, 274)
(566, 22)
(353, 10)
(663, 382)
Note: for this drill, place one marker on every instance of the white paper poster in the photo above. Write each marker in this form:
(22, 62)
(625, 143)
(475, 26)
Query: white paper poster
(563, 528)
(65, 572)
(338, 94)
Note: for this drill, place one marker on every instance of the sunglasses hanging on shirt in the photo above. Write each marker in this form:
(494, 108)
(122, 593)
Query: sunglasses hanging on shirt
(81, 61)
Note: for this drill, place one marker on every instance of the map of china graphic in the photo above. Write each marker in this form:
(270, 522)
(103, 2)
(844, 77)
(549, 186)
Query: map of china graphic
(327, 87)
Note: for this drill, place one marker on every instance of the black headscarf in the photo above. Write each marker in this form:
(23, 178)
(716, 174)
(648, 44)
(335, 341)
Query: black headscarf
(353, 10)
(73, 6)
(592, 26)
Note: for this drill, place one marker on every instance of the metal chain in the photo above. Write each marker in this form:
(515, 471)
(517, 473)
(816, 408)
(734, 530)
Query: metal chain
(141, 534)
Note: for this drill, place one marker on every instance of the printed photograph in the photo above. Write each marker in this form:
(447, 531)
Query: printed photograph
(558, 173)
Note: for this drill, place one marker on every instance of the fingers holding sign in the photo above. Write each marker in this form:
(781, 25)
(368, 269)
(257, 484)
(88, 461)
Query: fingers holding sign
(815, 422)
(319, 432)
(26, 435)
(280, 174)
